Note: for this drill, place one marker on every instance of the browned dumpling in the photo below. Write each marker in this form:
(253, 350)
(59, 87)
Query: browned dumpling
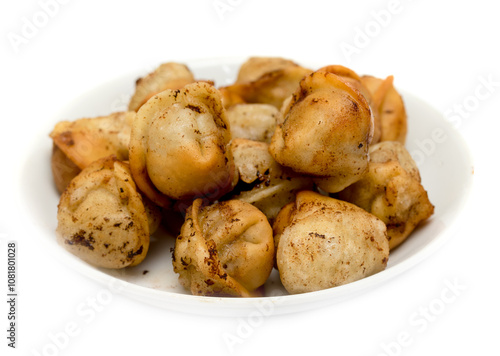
(350, 77)
(324, 131)
(85, 140)
(79, 143)
(103, 219)
(179, 145)
(225, 249)
(391, 190)
(169, 75)
(323, 242)
(255, 67)
(267, 80)
(272, 186)
(63, 169)
(230, 98)
(353, 79)
(252, 121)
(389, 106)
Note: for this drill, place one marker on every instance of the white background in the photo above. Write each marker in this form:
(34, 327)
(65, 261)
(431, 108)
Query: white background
(439, 51)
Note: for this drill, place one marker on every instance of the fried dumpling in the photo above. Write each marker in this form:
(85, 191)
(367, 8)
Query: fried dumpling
(179, 145)
(230, 98)
(169, 75)
(353, 79)
(323, 242)
(272, 185)
(63, 169)
(267, 80)
(255, 67)
(224, 249)
(79, 143)
(389, 106)
(349, 76)
(252, 121)
(324, 131)
(392, 191)
(103, 219)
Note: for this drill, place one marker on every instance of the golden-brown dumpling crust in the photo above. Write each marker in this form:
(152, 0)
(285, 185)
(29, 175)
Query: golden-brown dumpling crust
(86, 140)
(102, 218)
(274, 186)
(391, 190)
(252, 121)
(351, 78)
(251, 158)
(268, 80)
(324, 242)
(389, 105)
(225, 249)
(63, 169)
(230, 98)
(169, 75)
(324, 131)
(255, 67)
(179, 145)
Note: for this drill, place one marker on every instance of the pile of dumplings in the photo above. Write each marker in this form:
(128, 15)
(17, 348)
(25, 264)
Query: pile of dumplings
(291, 168)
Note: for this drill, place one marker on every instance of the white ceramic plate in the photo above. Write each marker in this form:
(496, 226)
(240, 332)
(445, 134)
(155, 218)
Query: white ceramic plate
(445, 167)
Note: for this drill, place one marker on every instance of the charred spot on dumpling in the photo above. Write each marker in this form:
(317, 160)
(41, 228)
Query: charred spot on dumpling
(79, 238)
(132, 254)
(66, 138)
(195, 108)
